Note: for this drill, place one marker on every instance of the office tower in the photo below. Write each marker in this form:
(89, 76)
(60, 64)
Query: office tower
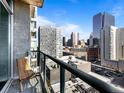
(100, 21)
(88, 42)
(91, 40)
(109, 43)
(112, 43)
(120, 43)
(69, 42)
(51, 40)
(74, 38)
(64, 41)
(112, 47)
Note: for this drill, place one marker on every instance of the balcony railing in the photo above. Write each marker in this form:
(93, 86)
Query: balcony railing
(96, 83)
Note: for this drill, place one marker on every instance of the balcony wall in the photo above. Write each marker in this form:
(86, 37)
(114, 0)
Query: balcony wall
(21, 31)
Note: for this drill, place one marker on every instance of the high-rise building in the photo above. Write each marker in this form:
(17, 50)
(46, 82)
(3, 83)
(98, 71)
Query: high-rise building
(51, 40)
(69, 42)
(120, 43)
(113, 42)
(91, 40)
(112, 47)
(101, 20)
(88, 42)
(64, 41)
(109, 43)
(74, 38)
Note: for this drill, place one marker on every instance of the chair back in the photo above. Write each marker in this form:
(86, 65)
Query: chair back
(23, 68)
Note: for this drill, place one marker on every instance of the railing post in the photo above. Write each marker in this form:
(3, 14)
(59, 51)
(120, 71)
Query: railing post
(38, 48)
(38, 56)
(62, 79)
(44, 69)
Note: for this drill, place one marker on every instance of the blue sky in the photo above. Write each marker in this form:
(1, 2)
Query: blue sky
(76, 15)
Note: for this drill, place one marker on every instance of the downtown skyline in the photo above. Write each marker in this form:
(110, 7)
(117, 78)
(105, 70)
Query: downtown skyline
(77, 15)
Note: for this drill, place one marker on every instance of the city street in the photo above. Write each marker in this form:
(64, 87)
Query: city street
(116, 77)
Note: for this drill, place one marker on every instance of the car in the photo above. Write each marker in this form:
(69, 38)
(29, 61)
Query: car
(111, 73)
(95, 62)
(118, 74)
(108, 75)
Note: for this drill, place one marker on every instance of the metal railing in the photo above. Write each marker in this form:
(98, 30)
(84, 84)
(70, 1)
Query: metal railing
(96, 83)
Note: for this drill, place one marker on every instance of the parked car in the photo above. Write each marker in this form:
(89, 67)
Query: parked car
(118, 74)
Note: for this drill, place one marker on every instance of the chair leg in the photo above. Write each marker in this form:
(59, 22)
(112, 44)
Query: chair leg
(36, 80)
(30, 83)
(21, 85)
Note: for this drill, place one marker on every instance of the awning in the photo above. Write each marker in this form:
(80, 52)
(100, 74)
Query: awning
(38, 3)
(7, 7)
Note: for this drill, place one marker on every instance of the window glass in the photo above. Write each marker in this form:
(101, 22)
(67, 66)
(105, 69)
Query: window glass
(4, 54)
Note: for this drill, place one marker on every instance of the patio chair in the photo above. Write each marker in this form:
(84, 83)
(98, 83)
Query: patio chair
(25, 72)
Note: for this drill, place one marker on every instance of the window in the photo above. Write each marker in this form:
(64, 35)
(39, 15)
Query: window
(33, 34)
(4, 47)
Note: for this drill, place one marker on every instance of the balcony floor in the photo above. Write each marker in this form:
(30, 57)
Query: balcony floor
(15, 88)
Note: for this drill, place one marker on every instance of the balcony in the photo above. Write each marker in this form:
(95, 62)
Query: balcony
(39, 59)
(11, 20)
(38, 63)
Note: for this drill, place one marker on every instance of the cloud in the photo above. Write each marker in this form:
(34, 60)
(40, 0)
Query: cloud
(68, 28)
(41, 21)
(71, 27)
(117, 11)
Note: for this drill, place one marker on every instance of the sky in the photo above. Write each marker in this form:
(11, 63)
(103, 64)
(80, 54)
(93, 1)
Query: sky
(77, 15)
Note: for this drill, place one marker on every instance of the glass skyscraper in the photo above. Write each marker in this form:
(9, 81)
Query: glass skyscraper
(100, 21)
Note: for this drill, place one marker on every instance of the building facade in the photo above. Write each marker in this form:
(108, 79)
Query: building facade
(120, 43)
(112, 43)
(93, 54)
(33, 27)
(69, 43)
(51, 40)
(112, 47)
(64, 41)
(101, 20)
(80, 53)
(91, 39)
(108, 43)
(74, 38)
(81, 43)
